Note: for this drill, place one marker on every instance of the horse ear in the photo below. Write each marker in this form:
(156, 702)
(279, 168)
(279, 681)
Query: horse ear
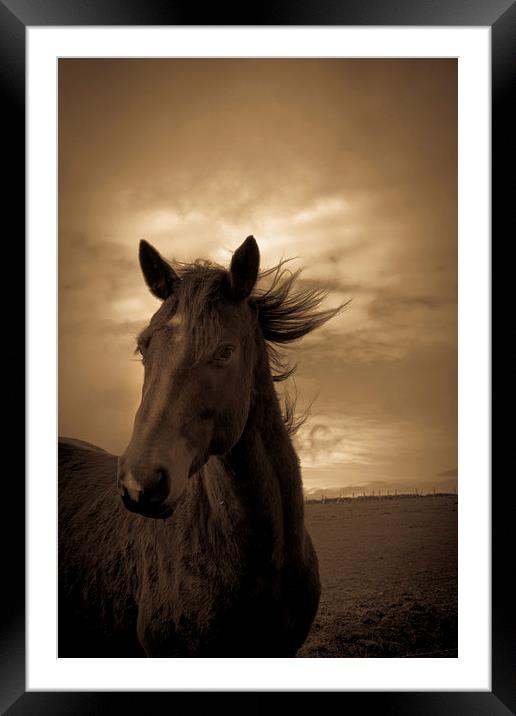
(243, 270)
(159, 275)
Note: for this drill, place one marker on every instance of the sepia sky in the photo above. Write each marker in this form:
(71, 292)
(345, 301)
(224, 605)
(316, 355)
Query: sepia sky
(348, 165)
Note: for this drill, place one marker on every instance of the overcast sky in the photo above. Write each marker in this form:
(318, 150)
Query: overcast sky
(349, 165)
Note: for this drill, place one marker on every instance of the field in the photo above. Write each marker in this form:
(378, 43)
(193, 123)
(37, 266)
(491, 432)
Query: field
(388, 570)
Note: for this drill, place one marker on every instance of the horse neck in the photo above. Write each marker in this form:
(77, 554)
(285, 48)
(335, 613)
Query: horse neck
(264, 462)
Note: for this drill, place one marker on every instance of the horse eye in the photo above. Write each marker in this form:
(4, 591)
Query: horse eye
(223, 353)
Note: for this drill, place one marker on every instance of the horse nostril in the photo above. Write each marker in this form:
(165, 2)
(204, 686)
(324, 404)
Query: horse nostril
(156, 489)
(162, 484)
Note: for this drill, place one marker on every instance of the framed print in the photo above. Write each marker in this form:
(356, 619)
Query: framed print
(172, 172)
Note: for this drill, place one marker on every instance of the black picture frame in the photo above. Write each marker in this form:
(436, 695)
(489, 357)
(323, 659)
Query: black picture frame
(15, 17)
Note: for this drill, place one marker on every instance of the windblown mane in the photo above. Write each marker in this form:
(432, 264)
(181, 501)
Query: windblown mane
(285, 314)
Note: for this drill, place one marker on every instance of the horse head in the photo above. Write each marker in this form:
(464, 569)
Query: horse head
(199, 353)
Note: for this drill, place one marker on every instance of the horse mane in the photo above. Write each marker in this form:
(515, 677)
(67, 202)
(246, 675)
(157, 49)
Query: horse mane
(285, 314)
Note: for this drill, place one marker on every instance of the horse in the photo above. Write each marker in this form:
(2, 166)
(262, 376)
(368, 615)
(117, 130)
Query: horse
(192, 543)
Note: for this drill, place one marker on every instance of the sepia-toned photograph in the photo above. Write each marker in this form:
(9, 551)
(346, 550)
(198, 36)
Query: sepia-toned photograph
(257, 369)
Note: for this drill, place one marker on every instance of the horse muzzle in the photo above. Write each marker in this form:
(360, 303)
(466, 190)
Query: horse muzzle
(146, 496)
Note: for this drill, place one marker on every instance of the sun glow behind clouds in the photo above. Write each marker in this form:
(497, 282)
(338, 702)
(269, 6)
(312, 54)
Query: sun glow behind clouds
(337, 440)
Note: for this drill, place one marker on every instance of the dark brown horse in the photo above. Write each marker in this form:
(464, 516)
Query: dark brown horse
(226, 567)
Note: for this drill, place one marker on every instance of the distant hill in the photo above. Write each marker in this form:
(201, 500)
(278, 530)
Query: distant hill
(449, 473)
(379, 487)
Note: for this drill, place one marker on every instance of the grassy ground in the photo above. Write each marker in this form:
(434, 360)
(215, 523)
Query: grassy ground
(389, 578)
